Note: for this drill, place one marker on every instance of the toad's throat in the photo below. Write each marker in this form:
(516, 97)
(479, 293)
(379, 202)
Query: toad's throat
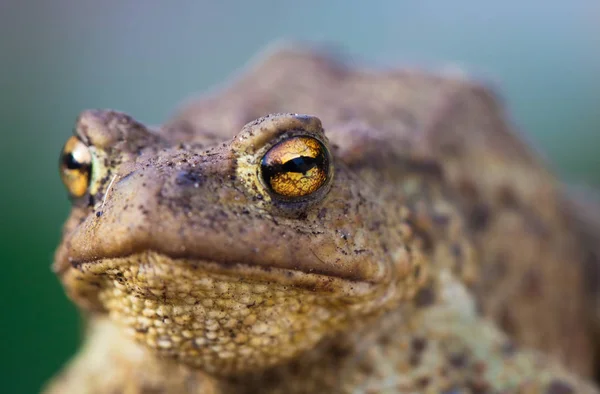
(221, 319)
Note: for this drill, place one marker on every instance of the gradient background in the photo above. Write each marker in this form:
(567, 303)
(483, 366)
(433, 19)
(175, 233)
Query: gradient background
(143, 57)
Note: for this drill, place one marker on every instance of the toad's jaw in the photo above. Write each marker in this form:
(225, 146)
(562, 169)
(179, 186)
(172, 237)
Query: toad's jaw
(221, 318)
(313, 258)
(270, 259)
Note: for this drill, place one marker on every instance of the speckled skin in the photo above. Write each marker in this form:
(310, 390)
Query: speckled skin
(438, 234)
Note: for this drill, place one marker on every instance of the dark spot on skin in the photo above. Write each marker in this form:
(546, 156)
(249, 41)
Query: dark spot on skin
(99, 213)
(385, 340)
(531, 284)
(366, 367)
(417, 271)
(509, 348)
(425, 167)
(339, 351)
(346, 209)
(479, 367)
(458, 360)
(302, 216)
(478, 386)
(422, 234)
(507, 198)
(322, 213)
(479, 217)
(468, 190)
(418, 344)
(440, 220)
(151, 389)
(451, 149)
(559, 387)
(414, 359)
(425, 297)
(507, 321)
(456, 251)
(423, 382)
(186, 178)
(375, 225)
(444, 371)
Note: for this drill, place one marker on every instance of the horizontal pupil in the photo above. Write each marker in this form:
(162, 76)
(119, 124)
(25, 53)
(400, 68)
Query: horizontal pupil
(301, 164)
(70, 162)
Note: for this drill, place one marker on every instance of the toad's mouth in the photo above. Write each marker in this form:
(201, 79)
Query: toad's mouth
(301, 275)
(147, 263)
(315, 262)
(152, 275)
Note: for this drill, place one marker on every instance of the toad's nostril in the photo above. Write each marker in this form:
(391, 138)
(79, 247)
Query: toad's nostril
(189, 178)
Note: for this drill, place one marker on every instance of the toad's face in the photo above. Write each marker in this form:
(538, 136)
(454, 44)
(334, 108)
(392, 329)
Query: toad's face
(228, 257)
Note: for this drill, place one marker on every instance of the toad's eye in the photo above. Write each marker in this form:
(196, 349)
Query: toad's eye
(295, 167)
(76, 166)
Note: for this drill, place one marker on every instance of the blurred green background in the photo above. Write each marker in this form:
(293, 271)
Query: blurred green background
(143, 57)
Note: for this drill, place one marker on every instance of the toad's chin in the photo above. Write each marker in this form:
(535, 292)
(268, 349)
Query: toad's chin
(222, 318)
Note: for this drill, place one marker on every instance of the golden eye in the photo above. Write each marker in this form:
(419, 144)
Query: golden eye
(76, 167)
(295, 167)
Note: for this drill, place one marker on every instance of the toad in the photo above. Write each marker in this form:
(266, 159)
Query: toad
(318, 227)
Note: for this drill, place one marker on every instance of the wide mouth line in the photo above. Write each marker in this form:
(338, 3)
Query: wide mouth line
(312, 281)
(196, 259)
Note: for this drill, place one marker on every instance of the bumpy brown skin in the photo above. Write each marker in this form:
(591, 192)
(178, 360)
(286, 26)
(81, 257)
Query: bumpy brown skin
(437, 230)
